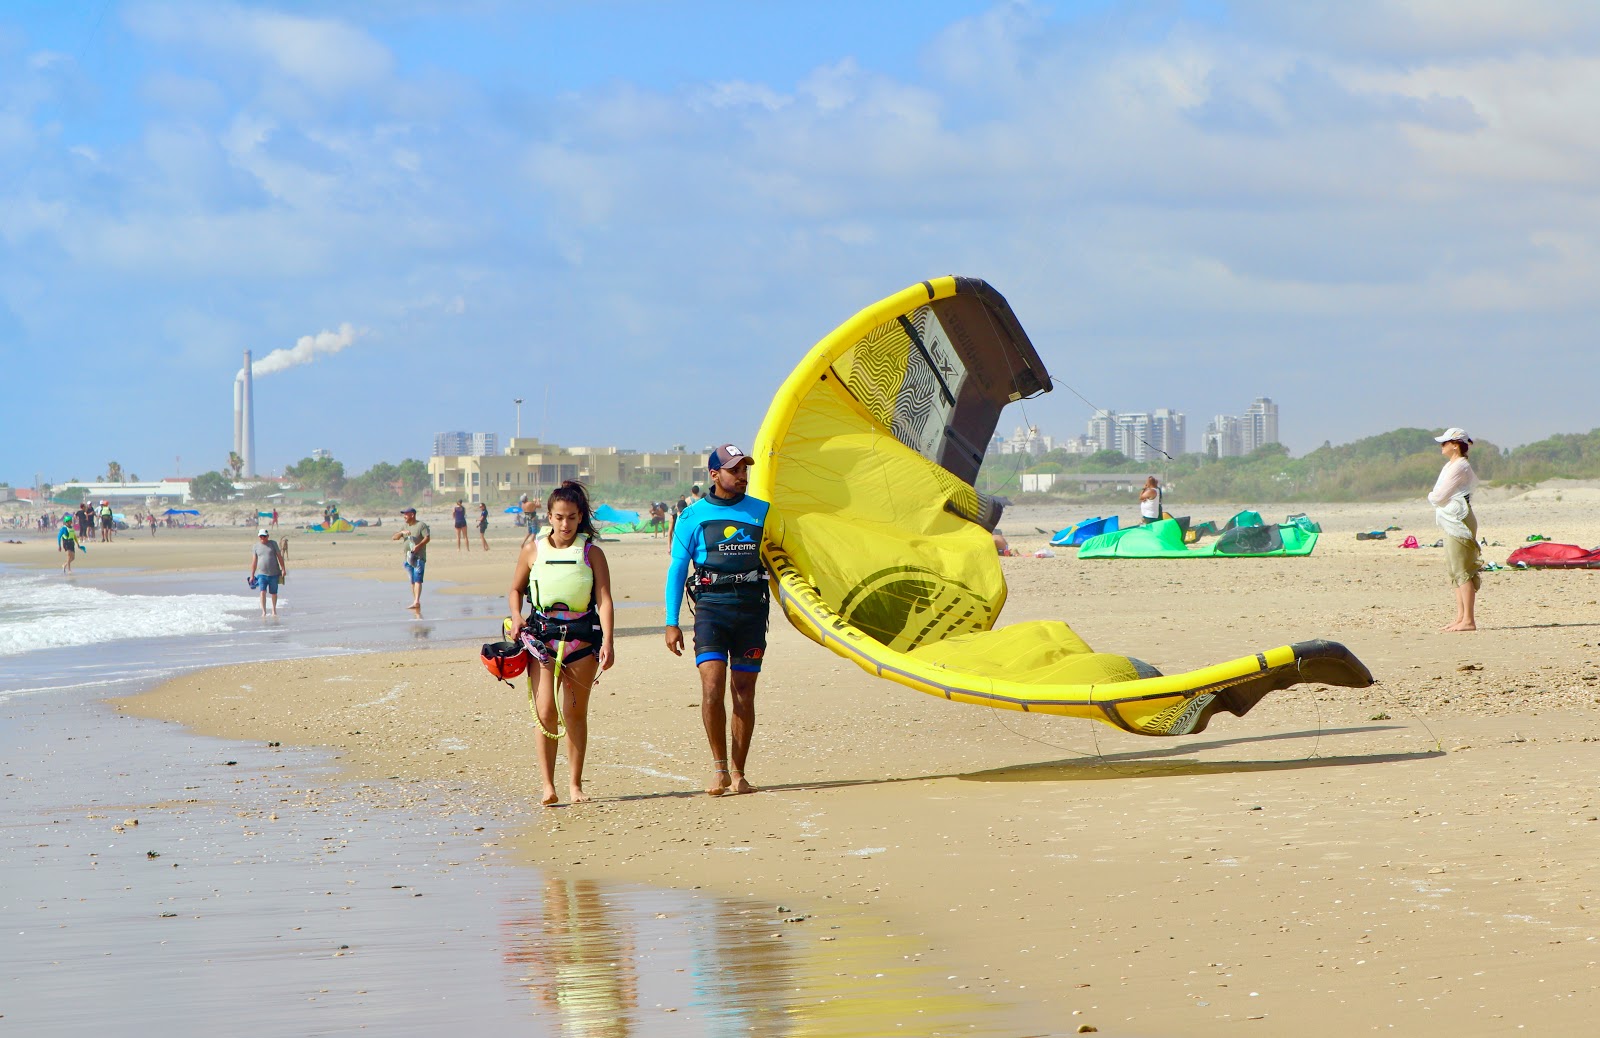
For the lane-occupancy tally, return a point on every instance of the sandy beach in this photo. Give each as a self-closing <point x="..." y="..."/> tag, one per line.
<point x="1415" y="857"/>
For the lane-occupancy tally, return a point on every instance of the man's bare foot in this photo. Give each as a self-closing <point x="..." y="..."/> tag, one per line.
<point x="741" y="786"/>
<point x="550" y="799"/>
<point x="720" y="780"/>
<point x="578" y="796"/>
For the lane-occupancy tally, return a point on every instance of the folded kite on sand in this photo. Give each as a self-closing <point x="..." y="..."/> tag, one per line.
<point x="880" y="547"/>
<point x="1074" y="535"/>
<point x="1165" y="539"/>
<point x="1550" y="555"/>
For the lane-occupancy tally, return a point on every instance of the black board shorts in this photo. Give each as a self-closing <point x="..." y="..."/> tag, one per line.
<point x="733" y="630"/>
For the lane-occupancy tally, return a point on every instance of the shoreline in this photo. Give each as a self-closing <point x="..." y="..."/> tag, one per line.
<point x="1018" y="848"/>
<point x="246" y="822"/>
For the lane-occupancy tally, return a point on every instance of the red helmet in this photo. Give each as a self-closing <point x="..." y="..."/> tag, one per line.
<point x="505" y="660"/>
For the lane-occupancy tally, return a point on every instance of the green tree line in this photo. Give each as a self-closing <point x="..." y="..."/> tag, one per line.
<point x="1396" y="464"/>
<point x="382" y="484"/>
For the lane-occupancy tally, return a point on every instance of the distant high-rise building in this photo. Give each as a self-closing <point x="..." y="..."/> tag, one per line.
<point x="1232" y="436"/>
<point x="1026" y="441"/>
<point x="1258" y="425"/>
<point x="465" y="445"/>
<point x="1132" y="434"/>
<point x="1167" y="431"/>
<point x="1101" y="431"/>
<point x="1222" y="437"/>
<point x="1138" y="435"/>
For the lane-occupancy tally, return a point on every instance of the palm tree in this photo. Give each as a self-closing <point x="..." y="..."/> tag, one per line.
<point x="235" y="464"/>
<point x="113" y="472"/>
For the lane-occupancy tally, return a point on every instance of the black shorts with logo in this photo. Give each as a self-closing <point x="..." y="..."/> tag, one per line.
<point x="732" y="629"/>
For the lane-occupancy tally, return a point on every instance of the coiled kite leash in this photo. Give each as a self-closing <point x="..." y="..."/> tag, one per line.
<point x="555" y="694"/>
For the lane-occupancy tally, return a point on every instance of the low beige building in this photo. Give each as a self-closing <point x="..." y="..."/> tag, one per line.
<point x="534" y="468"/>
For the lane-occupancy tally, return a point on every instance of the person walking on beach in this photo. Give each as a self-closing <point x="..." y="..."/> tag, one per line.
<point x="416" y="535"/>
<point x="565" y="576"/>
<point x="1150" y="501"/>
<point x="268" y="569"/>
<point x="458" y="516"/>
<point x="1451" y="499"/>
<point x="719" y="535"/>
<point x="677" y="509"/>
<point x="67" y="541"/>
<point x="107" y="521"/>
<point x="483" y="525"/>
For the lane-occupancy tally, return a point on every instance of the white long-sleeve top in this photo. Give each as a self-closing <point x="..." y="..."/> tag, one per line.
<point x="1455" y="478"/>
<point x="1449" y="498"/>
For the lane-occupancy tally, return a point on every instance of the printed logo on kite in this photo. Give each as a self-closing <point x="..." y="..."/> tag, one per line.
<point x="904" y="606"/>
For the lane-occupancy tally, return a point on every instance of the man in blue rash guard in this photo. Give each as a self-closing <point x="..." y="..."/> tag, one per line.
<point x="719" y="537"/>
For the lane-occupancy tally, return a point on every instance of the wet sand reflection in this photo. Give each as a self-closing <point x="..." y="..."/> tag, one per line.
<point x="577" y="957"/>
<point x="606" y="961"/>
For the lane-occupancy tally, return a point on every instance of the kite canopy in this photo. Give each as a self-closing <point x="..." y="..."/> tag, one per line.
<point x="1073" y="536"/>
<point x="1166" y="540"/>
<point x="615" y="516"/>
<point x="880" y="545"/>
<point x="1549" y="555"/>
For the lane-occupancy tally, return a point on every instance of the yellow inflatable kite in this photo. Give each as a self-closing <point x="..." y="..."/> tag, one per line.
<point x="880" y="548"/>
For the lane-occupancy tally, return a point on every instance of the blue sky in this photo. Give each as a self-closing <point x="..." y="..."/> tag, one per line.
<point x="1378" y="214"/>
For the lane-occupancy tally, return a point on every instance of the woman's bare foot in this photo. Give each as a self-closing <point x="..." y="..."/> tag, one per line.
<point x="740" y="785"/>
<point x="1462" y="627"/>
<point x="549" y="799"/>
<point x="577" y="795"/>
<point x="719" y="781"/>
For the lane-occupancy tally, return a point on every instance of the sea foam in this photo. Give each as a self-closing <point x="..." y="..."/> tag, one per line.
<point x="39" y="611"/>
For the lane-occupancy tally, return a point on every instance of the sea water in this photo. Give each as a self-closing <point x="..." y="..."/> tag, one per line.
<point x="239" y="907"/>
<point x="59" y="632"/>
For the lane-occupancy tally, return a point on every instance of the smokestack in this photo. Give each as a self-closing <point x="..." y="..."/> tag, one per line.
<point x="247" y="424"/>
<point x="306" y="349"/>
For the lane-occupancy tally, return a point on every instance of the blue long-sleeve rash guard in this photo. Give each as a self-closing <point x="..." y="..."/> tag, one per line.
<point x="740" y="519"/>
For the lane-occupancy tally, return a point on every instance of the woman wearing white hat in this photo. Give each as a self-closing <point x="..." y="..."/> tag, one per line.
<point x="1451" y="499"/>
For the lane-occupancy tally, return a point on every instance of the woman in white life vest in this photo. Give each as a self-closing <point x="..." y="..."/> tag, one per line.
<point x="565" y="576"/>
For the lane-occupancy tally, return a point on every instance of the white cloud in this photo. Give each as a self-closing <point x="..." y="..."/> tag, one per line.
<point x="325" y="56"/>
<point x="738" y="95"/>
<point x="1397" y="28"/>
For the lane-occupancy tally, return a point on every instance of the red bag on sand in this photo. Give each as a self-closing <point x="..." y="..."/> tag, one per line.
<point x="1410" y="542"/>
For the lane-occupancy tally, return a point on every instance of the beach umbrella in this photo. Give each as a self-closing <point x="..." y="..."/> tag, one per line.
<point x="513" y="508"/>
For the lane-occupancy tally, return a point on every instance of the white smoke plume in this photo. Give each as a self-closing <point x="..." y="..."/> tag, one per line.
<point x="305" y="350"/>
